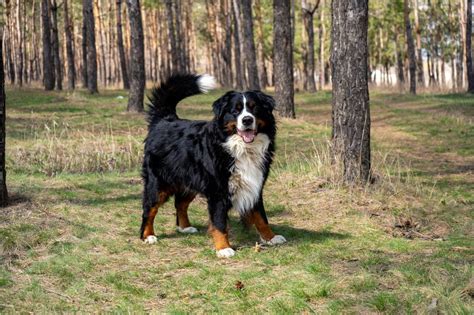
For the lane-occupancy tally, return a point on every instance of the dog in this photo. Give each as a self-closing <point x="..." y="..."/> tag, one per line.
<point x="226" y="160"/>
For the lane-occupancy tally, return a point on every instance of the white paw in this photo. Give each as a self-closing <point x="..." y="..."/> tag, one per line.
<point x="151" y="239"/>
<point x="276" y="240"/>
<point x="187" y="230"/>
<point x="225" y="253"/>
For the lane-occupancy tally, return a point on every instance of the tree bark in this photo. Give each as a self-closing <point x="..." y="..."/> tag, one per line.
<point x="19" y="52"/>
<point x="411" y="48"/>
<point x="308" y="14"/>
<point x="3" y="183"/>
<point x="55" y="44"/>
<point x="68" y="30"/>
<point x="84" y="47"/>
<point x="48" y="61"/>
<point x="172" y="36"/>
<point x="239" y="82"/>
<point x="137" y="63"/>
<point x="91" y="50"/>
<point x="470" y="70"/>
<point x="249" y="45"/>
<point x="283" y="58"/>
<point x="121" y="49"/>
<point x="239" y="62"/>
<point x="350" y="104"/>
<point x="262" y="69"/>
<point x="419" y="60"/>
<point x="322" y="35"/>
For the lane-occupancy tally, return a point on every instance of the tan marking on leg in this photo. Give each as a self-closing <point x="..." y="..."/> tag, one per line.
<point x="221" y="240"/>
<point x="182" y="211"/>
<point x="263" y="228"/>
<point x="162" y="197"/>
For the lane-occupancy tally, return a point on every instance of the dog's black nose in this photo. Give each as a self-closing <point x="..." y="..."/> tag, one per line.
<point x="247" y="120"/>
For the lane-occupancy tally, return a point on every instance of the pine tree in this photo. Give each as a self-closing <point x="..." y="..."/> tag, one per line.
<point x="350" y="105"/>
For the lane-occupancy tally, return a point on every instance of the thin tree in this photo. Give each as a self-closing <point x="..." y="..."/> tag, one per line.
<point x="249" y="45"/>
<point x="419" y="60"/>
<point x="48" y="64"/>
<point x="283" y="58"/>
<point x="308" y="14"/>
<point x="172" y="36"/>
<point x="121" y="49"/>
<point x="350" y="103"/>
<point x="3" y="183"/>
<point x="91" y="49"/>
<point x="238" y="58"/>
<point x="470" y="70"/>
<point x="137" y="63"/>
<point x="55" y="44"/>
<point x="411" y="48"/>
<point x="68" y="30"/>
<point x="20" y="40"/>
<point x="84" y="47"/>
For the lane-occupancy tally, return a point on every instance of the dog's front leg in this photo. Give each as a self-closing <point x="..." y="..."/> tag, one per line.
<point x="218" y="216"/>
<point x="258" y="217"/>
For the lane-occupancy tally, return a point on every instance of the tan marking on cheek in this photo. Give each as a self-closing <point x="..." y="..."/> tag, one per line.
<point x="230" y="127"/>
<point x="261" y="123"/>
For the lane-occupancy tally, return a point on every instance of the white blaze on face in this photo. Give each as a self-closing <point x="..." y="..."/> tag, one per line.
<point x="246" y="132"/>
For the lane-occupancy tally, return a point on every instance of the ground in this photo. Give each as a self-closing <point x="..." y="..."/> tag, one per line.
<point x="403" y="244"/>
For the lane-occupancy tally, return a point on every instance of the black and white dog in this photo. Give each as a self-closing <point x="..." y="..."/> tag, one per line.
<point x="227" y="160"/>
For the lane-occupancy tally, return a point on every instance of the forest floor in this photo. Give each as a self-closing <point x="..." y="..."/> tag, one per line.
<point x="69" y="240"/>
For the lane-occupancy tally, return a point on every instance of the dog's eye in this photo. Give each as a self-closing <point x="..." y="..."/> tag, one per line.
<point x="238" y="107"/>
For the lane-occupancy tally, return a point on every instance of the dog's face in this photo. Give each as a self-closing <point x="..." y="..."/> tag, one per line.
<point x="245" y="114"/>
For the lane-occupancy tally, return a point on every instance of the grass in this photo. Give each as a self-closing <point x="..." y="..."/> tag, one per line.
<point x="402" y="245"/>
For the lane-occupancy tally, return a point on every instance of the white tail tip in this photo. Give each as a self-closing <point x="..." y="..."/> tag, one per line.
<point x="206" y="83"/>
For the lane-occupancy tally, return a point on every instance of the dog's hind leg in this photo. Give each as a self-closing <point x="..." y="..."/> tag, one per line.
<point x="181" y="203"/>
<point x="153" y="198"/>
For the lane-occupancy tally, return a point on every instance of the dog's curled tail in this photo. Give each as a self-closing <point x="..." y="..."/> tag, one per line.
<point x="165" y="97"/>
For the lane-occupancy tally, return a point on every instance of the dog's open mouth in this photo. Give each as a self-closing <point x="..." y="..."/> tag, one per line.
<point x="247" y="135"/>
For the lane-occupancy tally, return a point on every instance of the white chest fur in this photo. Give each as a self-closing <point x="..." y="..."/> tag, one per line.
<point x="246" y="178"/>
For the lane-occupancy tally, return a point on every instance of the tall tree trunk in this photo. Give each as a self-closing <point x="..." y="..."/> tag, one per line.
<point x="55" y="44"/>
<point x="308" y="14"/>
<point x="68" y="30"/>
<point x="91" y="50"/>
<point x="419" y="60"/>
<point x="262" y="69"/>
<point x="411" y="47"/>
<point x="322" y="35"/>
<point x="48" y="64"/>
<point x="20" y="41"/>
<point x="463" y="52"/>
<point x="172" y="36"/>
<point x="398" y="54"/>
<point x="84" y="46"/>
<point x="121" y="49"/>
<point x="350" y="104"/>
<point x="238" y="64"/>
<point x="137" y="63"/>
<point x="470" y="70"/>
<point x="3" y="182"/>
<point x="283" y="58"/>
<point x="101" y="32"/>
<point x="249" y="45"/>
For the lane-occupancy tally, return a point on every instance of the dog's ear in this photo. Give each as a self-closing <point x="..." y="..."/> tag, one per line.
<point x="265" y="100"/>
<point x="219" y="105"/>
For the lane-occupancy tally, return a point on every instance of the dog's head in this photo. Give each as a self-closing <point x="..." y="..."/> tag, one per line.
<point x="246" y="114"/>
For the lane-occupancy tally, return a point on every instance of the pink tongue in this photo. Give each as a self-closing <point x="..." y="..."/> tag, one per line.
<point x="247" y="135"/>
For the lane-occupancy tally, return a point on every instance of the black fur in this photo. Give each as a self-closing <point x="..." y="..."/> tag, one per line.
<point x="183" y="156"/>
